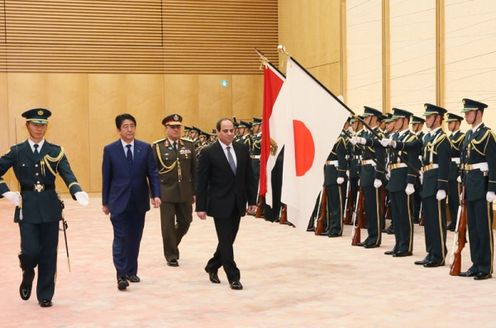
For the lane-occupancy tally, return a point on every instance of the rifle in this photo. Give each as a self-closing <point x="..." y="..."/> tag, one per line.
<point x="355" y="240"/>
<point x="260" y="206"/>
<point x="460" y="239"/>
<point x="348" y="206"/>
<point x="64" y="228"/>
<point x="322" y="212"/>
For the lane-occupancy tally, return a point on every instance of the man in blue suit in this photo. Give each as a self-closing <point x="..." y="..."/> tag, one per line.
<point x="130" y="178"/>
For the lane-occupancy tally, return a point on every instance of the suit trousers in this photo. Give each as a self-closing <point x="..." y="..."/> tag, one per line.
<point x="480" y="233"/>
<point x="39" y="248"/>
<point x="227" y="229"/>
<point x="128" y="230"/>
<point x="403" y="221"/>
<point x="173" y="232"/>
<point x="435" y="228"/>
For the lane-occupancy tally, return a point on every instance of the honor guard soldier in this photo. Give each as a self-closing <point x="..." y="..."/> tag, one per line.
<point x="353" y="166"/>
<point x="435" y="155"/>
<point x="176" y="162"/>
<point x="36" y="164"/>
<point x="456" y="139"/>
<point x="244" y="133"/>
<point x="372" y="174"/>
<point x="186" y="130"/>
<point x="478" y="159"/>
<point x="256" y="148"/>
<point x="389" y="130"/>
<point x="334" y="178"/>
<point x="403" y="167"/>
<point x="194" y="135"/>
<point x="417" y="128"/>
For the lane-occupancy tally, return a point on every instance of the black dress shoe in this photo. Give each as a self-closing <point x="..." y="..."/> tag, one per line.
<point x="122" y="283"/>
<point x="236" y="285"/>
<point x="450" y="227"/>
<point x="214" y="278"/>
<point x="433" y="264"/>
<point x="371" y="246"/>
<point x="173" y="263"/>
<point x="482" y="276"/>
<point x="333" y="235"/>
<point x="45" y="303"/>
<point x="390" y="230"/>
<point x="361" y="244"/>
<point x="391" y="252"/>
<point x="133" y="278"/>
<point x="422" y="262"/>
<point x="26" y="284"/>
<point x="469" y="273"/>
<point x="402" y="254"/>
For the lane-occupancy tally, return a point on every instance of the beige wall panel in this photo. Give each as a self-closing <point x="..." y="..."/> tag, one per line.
<point x="247" y="96"/>
<point x="145" y="101"/>
<point x="181" y="97"/>
<point x="310" y="30"/>
<point x="107" y="98"/>
<point x="7" y="127"/>
<point x="67" y="98"/>
<point x="329" y="76"/>
<point x="214" y="100"/>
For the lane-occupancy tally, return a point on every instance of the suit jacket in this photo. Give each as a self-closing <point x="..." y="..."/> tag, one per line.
<point x="177" y="170"/>
<point x="219" y="190"/>
<point x="31" y="170"/>
<point x="122" y="184"/>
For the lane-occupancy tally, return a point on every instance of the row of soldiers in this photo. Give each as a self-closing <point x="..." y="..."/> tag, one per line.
<point x="412" y="174"/>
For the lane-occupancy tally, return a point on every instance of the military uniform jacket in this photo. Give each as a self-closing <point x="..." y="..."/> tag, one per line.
<point x="245" y="139"/>
<point x="36" y="175"/>
<point x="177" y="170"/>
<point x="338" y="153"/>
<point x="354" y="158"/>
<point x="407" y="150"/>
<point x="479" y="146"/>
<point x="456" y="140"/>
<point x="256" y="145"/>
<point x="373" y="151"/>
<point x="435" y="150"/>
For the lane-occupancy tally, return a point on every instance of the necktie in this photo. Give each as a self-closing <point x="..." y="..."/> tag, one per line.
<point x="129" y="154"/>
<point x="230" y="159"/>
<point x="174" y="144"/>
<point x="36" y="151"/>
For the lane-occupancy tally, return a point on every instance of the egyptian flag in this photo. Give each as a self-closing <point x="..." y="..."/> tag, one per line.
<point x="314" y="118"/>
<point x="273" y="81"/>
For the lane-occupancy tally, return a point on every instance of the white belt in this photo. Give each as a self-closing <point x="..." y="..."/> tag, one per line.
<point x="333" y="163"/>
<point x="368" y="162"/>
<point x="255" y="156"/>
<point x="477" y="166"/>
<point x="428" y="167"/>
<point x="456" y="160"/>
<point x="397" y="166"/>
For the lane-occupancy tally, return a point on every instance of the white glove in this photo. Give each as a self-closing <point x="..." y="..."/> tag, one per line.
<point x="358" y="182"/>
<point x="12" y="196"/>
<point x="421" y="178"/>
<point x="377" y="183"/>
<point x="441" y="194"/>
<point x="385" y="142"/>
<point x="82" y="198"/>
<point x="354" y="140"/>
<point x="410" y="189"/>
<point x="348" y="173"/>
<point x="361" y="140"/>
<point x="340" y="180"/>
<point x="459" y="179"/>
<point x="490" y="196"/>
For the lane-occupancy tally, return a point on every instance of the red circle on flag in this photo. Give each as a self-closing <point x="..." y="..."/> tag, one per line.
<point x="304" y="148"/>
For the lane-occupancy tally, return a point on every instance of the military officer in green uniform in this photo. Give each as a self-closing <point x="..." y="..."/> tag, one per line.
<point x="176" y="161"/>
<point x="417" y="126"/>
<point x="404" y="166"/>
<point x="435" y="155"/>
<point x="372" y="174"/>
<point x="456" y="139"/>
<point x="36" y="164"/>
<point x="478" y="159"/>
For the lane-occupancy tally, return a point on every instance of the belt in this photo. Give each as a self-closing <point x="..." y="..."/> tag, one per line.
<point x="368" y="162"/>
<point x="397" y="166"/>
<point x="456" y="160"/>
<point x="477" y="166"/>
<point x="331" y="163"/>
<point x="38" y="187"/>
<point x="255" y="156"/>
<point x="429" y="167"/>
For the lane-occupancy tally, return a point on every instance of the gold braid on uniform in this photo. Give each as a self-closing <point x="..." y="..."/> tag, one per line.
<point x="47" y="159"/>
<point x="474" y="143"/>
<point x="165" y="168"/>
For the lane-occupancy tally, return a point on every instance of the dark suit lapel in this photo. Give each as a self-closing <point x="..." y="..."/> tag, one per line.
<point x="222" y="156"/>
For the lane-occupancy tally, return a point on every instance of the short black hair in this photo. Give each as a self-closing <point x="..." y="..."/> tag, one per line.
<point x="121" y="118"/>
<point x="219" y="122"/>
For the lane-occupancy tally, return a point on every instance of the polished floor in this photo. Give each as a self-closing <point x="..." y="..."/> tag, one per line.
<point x="290" y="278"/>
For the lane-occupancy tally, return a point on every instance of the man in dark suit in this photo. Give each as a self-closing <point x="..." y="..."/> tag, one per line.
<point x="176" y="160"/>
<point x="129" y="175"/>
<point x="225" y="185"/>
<point x="36" y="164"/>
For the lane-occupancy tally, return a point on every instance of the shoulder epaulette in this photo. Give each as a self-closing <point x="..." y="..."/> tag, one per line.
<point x="158" y="141"/>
